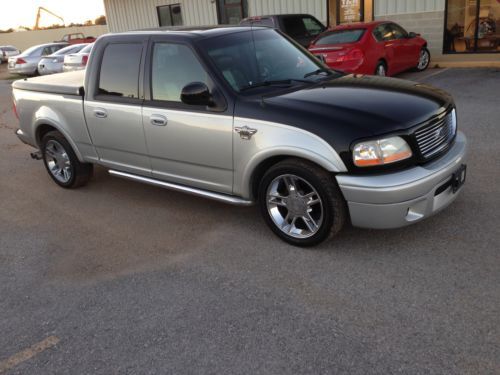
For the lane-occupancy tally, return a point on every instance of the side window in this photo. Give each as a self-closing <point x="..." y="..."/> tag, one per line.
<point x="386" y="32"/>
<point x="174" y="66"/>
<point x="119" y="74"/>
<point x="398" y="31"/>
<point x="377" y="33"/>
<point x="294" y="27"/>
<point x="47" y="51"/>
<point x="313" y="27"/>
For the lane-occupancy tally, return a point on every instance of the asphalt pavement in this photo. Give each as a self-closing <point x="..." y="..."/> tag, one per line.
<point x="123" y="278"/>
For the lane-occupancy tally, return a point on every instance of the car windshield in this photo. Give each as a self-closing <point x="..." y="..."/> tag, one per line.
<point x="340" y="37"/>
<point x="262" y="57"/>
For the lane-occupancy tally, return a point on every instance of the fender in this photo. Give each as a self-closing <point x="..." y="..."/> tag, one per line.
<point x="47" y="116"/>
<point x="274" y="139"/>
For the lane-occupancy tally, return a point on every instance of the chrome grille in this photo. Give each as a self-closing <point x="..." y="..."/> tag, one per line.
<point x="435" y="136"/>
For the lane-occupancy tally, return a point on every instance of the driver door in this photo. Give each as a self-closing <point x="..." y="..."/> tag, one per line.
<point x="187" y="144"/>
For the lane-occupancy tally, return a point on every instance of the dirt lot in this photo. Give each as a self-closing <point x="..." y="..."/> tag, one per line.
<point x="119" y="277"/>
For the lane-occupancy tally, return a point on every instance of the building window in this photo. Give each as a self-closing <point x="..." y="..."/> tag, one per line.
<point x="472" y="26"/>
<point x="232" y="11"/>
<point x="170" y="15"/>
<point x="350" y="11"/>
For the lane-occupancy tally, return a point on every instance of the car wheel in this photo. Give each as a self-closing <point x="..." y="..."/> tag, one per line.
<point x="301" y="202"/>
<point x="381" y="69"/>
<point x="61" y="162"/>
<point x="424" y="60"/>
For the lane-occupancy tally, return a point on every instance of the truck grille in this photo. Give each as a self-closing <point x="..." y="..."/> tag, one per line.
<point x="436" y="135"/>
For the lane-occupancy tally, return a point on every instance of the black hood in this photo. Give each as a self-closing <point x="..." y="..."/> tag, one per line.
<point x="351" y="107"/>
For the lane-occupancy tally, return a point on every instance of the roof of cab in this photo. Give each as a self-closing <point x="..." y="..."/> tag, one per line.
<point x="194" y="32"/>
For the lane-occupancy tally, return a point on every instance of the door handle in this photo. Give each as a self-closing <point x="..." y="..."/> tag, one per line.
<point x="158" y="120"/>
<point x="100" y="112"/>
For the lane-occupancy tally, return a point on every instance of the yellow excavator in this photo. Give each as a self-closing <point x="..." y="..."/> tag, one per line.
<point x="38" y="13"/>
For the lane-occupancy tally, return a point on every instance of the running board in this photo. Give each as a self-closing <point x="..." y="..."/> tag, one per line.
<point x="185" y="189"/>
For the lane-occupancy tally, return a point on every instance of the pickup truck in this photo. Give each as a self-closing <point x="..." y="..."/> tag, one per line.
<point x="244" y="115"/>
<point x="303" y="28"/>
<point x="77" y="38"/>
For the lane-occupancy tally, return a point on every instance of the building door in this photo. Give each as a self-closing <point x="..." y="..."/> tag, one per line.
<point x="348" y="11"/>
<point x="231" y="12"/>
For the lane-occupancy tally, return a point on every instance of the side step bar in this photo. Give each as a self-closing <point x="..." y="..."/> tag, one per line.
<point x="185" y="189"/>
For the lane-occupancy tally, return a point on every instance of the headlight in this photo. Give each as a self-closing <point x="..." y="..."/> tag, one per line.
<point x="380" y="152"/>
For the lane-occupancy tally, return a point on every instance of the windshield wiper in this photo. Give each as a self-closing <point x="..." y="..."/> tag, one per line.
<point x="274" y="82"/>
<point x="318" y="71"/>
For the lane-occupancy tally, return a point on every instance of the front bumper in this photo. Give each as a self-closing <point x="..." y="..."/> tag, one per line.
<point x="398" y="199"/>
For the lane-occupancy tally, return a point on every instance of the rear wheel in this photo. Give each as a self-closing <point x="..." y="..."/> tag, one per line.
<point x="61" y="162"/>
<point x="301" y="202"/>
<point x="423" y="60"/>
<point x="381" y="69"/>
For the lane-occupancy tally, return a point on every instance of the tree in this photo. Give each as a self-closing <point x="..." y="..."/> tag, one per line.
<point x="101" y="20"/>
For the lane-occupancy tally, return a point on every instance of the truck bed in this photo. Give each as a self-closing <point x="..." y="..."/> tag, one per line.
<point x="69" y="83"/>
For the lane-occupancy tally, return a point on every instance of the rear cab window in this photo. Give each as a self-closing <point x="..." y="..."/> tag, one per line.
<point x="119" y="73"/>
<point x="341" y="37"/>
<point x="301" y="26"/>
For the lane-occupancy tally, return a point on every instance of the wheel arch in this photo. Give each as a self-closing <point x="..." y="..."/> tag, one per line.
<point x="260" y="165"/>
<point x="43" y="126"/>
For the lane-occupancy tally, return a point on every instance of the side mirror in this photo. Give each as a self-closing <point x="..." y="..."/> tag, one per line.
<point x="196" y="93"/>
<point x="411" y="35"/>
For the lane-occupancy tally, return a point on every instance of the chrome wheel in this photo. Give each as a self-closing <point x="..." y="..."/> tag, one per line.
<point x="295" y="206"/>
<point x="381" y="70"/>
<point x="423" y="60"/>
<point x="58" y="162"/>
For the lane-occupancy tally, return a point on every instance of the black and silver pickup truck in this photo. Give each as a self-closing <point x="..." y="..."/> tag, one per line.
<point x="245" y="115"/>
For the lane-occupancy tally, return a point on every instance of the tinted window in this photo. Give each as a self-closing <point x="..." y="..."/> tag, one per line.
<point x="313" y="27"/>
<point x="294" y="27"/>
<point x="119" y="74"/>
<point x="383" y="32"/>
<point x="341" y="36"/>
<point x="397" y="31"/>
<point x="47" y="51"/>
<point x="174" y="66"/>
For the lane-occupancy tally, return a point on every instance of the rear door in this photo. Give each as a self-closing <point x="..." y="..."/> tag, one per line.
<point x="113" y="105"/>
<point x="188" y="144"/>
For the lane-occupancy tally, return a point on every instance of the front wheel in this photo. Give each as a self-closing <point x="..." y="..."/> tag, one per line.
<point x="301" y="202"/>
<point x="424" y="60"/>
<point x="62" y="163"/>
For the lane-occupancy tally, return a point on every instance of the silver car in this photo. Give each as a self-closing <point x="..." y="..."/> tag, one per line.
<point x="27" y="62"/>
<point x="77" y="61"/>
<point x="54" y="63"/>
<point x="6" y="52"/>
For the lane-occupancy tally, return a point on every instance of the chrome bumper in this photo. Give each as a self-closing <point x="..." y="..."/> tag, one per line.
<point x="402" y="198"/>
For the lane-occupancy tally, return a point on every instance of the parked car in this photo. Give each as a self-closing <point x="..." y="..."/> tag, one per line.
<point x="6" y="52"/>
<point x="243" y="115"/>
<point x="77" y="61"/>
<point x="76" y="38"/>
<point x="27" y="62"/>
<point x="54" y="63"/>
<point x="379" y="47"/>
<point x="303" y="28"/>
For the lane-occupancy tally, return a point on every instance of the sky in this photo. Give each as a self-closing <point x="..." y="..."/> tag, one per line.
<point x="17" y="13"/>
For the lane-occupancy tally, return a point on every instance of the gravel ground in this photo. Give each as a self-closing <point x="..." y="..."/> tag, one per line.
<point x="134" y="279"/>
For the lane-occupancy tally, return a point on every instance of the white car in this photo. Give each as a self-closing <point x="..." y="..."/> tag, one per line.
<point x="6" y="52"/>
<point x="77" y="61"/>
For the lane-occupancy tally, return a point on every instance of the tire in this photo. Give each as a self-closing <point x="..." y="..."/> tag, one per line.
<point x="57" y="151"/>
<point x="381" y="69"/>
<point x="301" y="202"/>
<point x="424" y="60"/>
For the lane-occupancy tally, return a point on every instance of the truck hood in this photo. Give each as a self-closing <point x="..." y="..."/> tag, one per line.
<point x="351" y="107"/>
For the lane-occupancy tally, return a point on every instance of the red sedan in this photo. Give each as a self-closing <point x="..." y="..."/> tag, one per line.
<point x="379" y="47"/>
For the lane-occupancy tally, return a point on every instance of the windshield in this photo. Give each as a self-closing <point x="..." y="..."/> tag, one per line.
<point x="247" y="60"/>
<point x="340" y="36"/>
